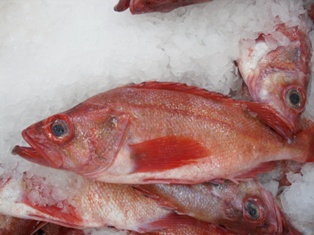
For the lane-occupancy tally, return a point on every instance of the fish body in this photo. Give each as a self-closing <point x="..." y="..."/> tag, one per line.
<point x="243" y="208"/>
<point x="145" y="6"/>
<point x="276" y="69"/>
<point x="84" y="204"/>
<point x="160" y="133"/>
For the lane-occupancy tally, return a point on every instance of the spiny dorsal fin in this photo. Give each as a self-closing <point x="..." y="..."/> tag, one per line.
<point x="181" y="87"/>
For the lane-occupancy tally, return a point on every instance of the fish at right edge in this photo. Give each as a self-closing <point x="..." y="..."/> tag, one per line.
<point x="243" y="208"/>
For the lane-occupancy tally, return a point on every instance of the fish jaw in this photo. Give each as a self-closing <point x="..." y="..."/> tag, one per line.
<point x="36" y="153"/>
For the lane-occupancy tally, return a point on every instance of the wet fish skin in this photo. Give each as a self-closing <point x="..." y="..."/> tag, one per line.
<point x="277" y="69"/>
<point x="87" y="204"/>
<point x="223" y="203"/>
<point x="146" y="6"/>
<point x="161" y="133"/>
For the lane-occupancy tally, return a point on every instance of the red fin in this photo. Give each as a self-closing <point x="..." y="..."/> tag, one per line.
<point x="261" y="168"/>
<point x="151" y="191"/>
<point x="272" y="118"/>
<point x="69" y="218"/>
<point x="166" y="153"/>
<point x="122" y="5"/>
<point x="38" y="226"/>
<point x="181" y="87"/>
<point x="62" y="212"/>
<point x="171" y="220"/>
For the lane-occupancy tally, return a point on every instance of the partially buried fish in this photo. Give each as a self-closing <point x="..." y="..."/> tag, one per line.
<point x="243" y="208"/>
<point x="81" y="203"/>
<point x="145" y="6"/>
<point x="161" y="133"/>
<point x="276" y="68"/>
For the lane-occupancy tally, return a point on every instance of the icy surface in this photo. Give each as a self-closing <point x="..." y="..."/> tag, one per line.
<point x="55" y="54"/>
<point x="300" y="195"/>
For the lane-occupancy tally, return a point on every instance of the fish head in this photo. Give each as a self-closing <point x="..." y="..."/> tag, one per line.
<point x="249" y="208"/>
<point x="276" y="69"/>
<point x="83" y="140"/>
<point x="286" y="96"/>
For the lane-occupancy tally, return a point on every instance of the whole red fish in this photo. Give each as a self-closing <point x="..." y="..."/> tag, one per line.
<point x="276" y="69"/>
<point x="145" y="6"/>
<point x="161" y="132"/>
<point x="83" y="204"/>
<point x="243" y="208"/>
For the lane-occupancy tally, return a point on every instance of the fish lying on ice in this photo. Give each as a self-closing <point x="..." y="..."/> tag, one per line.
<point x="145" y="6"/>
<point x="84" y="204"/>
<point x="276" y="69"/>
<point x="161" y="132"/>
<point x="243" y="208"/>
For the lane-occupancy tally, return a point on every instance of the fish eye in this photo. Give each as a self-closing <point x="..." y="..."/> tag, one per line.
<point x="59" y="128"/>
<point x="253" y="210"/>
<point x="294" y="98"/>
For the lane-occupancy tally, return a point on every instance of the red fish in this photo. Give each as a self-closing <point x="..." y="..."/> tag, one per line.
<point x="277" y="70"/>
<point x="244" y="208"/>
<point x="85" y="204"/>
<point x="161" y="132"/>
<point x="145" y="6"/>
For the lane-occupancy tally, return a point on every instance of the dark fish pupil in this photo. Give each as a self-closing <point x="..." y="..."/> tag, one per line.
<point x="252" y="210"/>
<point x="294" y="98"/>
<point x="59" y="128"/>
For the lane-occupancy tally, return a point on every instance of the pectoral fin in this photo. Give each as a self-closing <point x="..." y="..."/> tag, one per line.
<point x="273" y="119"/>
<point x="166" y="153"/>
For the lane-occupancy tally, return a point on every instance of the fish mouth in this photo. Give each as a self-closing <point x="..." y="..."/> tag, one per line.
<point x="34" y="153"/>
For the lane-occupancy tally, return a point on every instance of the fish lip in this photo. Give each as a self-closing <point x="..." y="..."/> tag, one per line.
<point x="33" y="153"/>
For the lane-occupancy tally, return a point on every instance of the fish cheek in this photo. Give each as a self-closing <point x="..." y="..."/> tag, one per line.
<point x="107" y="138"/>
